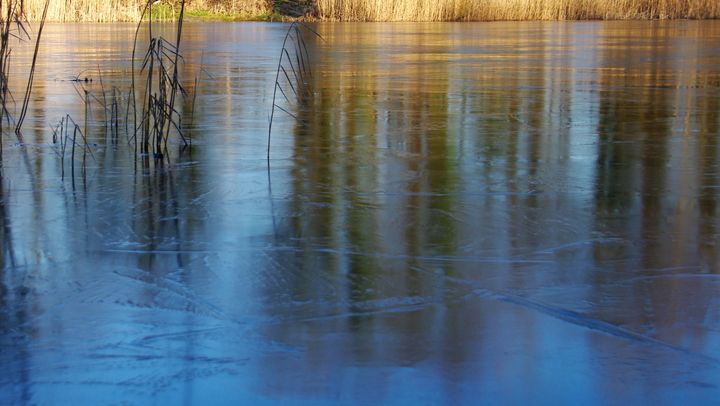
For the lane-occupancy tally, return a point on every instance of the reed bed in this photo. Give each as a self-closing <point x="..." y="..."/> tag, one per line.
<point x="496" y="10"/>
<point x="131" y="10"/>
<point x="237" y="8"/>
<point x="85" y="10"/>
<point x="385" y="10"/>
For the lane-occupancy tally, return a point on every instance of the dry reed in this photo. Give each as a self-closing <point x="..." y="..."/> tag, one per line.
<point x="162" y="85"/>
<point x="395" y="10"/>
<point x="296" y="75"/>
<point x="86" y="10"/>
<point x="12" y="19"/>
<point x="492" y="10"/>
<point x="131" y="10"/>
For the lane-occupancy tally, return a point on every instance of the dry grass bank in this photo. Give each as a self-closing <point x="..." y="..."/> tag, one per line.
<point x="129" y="10"/>
<point x="389" y="10"/>
<point x="84" y="10"/>
<point x="491" y="10"/>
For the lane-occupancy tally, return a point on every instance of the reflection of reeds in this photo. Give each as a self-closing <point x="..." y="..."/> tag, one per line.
<point x="294" y="57"/>
<point x="488" y="10"/>
<point x="192" y="105"/>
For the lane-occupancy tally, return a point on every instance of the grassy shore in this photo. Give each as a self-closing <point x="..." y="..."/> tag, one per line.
<point x="130" y="10"/>
<point x="493" y="10"/>
<point x="383" y="10"/>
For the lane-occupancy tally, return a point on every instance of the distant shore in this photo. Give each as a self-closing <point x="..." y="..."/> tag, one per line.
<point x="378" y="10"/>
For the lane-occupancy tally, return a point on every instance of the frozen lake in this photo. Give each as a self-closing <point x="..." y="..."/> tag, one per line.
<point x="465" y="213"/>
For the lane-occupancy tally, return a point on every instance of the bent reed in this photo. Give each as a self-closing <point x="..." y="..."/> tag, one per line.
<point x="389" y="10"/>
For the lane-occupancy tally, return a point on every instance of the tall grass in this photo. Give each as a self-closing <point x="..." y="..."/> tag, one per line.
<point x="131" y="10"/>
<point x="388" y="10"/>
<point x="86" y="10"/>
<point x="491" y="10"/>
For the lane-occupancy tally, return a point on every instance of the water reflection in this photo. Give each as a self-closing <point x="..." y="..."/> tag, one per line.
<point x="549" y="150"/>
<point x="464" y="211"/>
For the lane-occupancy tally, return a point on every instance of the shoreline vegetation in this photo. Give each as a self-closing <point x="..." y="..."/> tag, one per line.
<point x="377" y="10"/>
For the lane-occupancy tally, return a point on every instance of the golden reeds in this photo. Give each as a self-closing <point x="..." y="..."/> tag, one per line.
<point x="85" y="10"/>
<point x="492" y="10"/>
<point x="397" y="10"/>
<point x="131" y="10"/>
